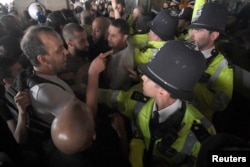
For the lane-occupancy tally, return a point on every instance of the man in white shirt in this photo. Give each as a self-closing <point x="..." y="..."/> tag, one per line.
<point x="123" y="55"/>
<point x="45" y="50"/>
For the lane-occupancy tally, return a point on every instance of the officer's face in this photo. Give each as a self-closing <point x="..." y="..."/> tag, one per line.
<point x="153" y="37"/>
<point x="201" y="37"/>
<point x="150" y="88"/>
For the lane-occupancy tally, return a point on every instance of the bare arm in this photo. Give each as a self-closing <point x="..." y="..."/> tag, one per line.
<point x="18" y="129"/>
<point x="114" y="6"/>
<point x="119" y="126"/>
<point x="96" y="67"/>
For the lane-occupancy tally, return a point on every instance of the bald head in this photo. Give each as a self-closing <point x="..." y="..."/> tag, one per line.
<point x="73" y="129"/>
<point x="86" y="17"/>
<point x="100" y="27"/>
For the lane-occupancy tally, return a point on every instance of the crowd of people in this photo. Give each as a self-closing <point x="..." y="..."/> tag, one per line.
<point x="111" y="88"/>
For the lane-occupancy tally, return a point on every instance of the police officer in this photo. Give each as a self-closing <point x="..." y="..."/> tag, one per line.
<point x="140" y="38"/>
<point x="171" y="129"/>
<point x="214" y="91"/>
<point x="185" y="17"/>
<point x="162" y="29"/>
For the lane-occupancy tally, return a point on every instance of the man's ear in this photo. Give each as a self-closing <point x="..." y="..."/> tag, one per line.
<point x="69" y="42"/>
<point x="41" y="59"/>
<point x="214" y="35"/>
<point x="162" y="91"/>
<point x="125" y="37"/>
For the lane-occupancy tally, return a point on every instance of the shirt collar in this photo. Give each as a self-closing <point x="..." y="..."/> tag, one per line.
<point x="165" y="113"/>
<point x="207" y="53"/>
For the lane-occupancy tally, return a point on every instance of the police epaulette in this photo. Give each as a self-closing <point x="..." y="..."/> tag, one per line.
<point x="138" y="96"/>
<point x="199" y="131"/>
<point x="144" y="49"/>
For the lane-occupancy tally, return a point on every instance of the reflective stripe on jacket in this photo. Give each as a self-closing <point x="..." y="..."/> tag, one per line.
<point x="139" y="112"/>
<point x="186" y="142"/>
<point x="216" y="93"/>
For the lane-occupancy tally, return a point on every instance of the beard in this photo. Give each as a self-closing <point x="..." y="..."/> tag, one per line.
<point x="81" y="53"/>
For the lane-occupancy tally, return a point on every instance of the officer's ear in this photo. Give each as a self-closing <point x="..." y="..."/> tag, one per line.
<point x="163" y="92"/>
<point x="214" y="35"/>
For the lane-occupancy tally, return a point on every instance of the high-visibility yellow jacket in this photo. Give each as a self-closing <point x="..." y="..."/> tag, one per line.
<point x="130" y="23"/>
<point x="143" y="55"/>
<point x="139" y="40"/>
<point x="182" y="36"/>
<point x="140" y="113"/>
<point x="214" y="94"/>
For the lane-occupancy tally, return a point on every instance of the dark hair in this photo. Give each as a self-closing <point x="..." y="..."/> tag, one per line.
<point x="122" y="24"/>
<point x="11" y="25"/>
<point x="121" y="2"/>
<point x="31" y="44"/>
<point x="69" y="29"/>
<point x="88" y="5"/>
<point x="5" y="64"/>
<point x="11" y="46"/>
<point x="142" y="24"/>
<point x="55" y="19"/>
<point x="69" y="16"/>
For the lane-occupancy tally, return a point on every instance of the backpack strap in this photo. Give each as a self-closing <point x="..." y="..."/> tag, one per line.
<point x="27" y="80"/>
<point x="34" y="80"/>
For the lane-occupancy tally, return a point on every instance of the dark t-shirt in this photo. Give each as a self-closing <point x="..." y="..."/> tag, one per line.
<point x="95" y="156"/>
<point x="101" y="46"/>
<point x="5" y="113"/>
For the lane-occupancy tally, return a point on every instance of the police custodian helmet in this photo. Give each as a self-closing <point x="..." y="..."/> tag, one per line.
<point x="164" y="25"/>
<point x="211" y="16"/>
<point x="176" y="67"/>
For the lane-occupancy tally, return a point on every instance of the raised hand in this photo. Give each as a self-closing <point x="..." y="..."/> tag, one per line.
<point x="99" y="63"/>
<point x="118" y="124"/>
<point x="114" y="4"/>
<point x="22" y="100"/>
<point x="132" y="74"/>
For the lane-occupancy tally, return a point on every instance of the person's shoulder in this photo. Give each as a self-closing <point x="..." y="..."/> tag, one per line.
<point x="50" y="88"/>
<point x="193" y="112"/>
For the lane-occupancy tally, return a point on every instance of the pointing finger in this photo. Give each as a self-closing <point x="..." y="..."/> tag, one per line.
<point x="106" y="54"/>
